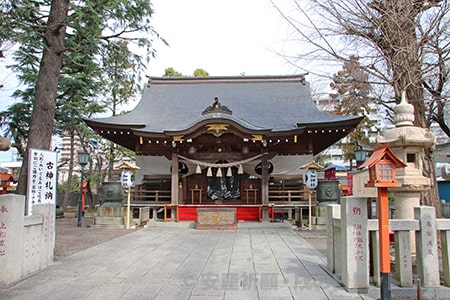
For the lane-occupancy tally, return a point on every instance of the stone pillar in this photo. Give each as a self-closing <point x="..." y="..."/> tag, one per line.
<point x="333" y="211"/>
<point x="405" y="203"/>
<point x="338" y="249"/>
<point x="426" y="247"/>
<point x="445" y="238"/>
<point x="403" y="264"/>
<point x="47" y="243"/>
<point x="375" y="245"/>
<point x="355" y="244"/>
<point x="12" y="208"/>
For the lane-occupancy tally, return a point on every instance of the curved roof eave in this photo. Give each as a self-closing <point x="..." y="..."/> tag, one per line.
<point x="210" y="119"/>
<point x="111" y="122"/>
<point x="344" y="122"/>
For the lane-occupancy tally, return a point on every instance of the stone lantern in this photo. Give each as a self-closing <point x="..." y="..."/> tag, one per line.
<point x="408" y="142"/>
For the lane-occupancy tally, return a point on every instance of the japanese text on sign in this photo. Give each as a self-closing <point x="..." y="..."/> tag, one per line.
<point x="358" y="235"/>
<point x="429" y="240"/>
<point x="3" y="233"/>
<point x="311" y="179"/>
<point x="41" y="178"/>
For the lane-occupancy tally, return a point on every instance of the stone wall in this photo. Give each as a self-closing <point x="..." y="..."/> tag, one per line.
<point x="26" y="242"/>
<point x="350" y="234"/>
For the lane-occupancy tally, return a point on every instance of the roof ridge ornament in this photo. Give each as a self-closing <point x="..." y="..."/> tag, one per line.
<point x="404" y="112"/>
<point x="216" y="107"/>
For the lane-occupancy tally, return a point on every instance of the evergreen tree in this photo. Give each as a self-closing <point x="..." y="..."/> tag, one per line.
<point x="60" y="59"/>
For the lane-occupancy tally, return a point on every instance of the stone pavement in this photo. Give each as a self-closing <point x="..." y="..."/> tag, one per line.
<point x="175" y="261"/>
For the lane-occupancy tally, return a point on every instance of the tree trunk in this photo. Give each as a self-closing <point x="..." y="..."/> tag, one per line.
<point x="401" y="50"/>
<point x="42" y="117"/>
<point x="431" y="197"/>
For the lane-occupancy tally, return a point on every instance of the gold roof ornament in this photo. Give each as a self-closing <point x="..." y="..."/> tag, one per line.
<point x="217" y="107"/>
<point x="257" y="137"/>
<point x="127" y="165"/>
<point x="217" y="128"/>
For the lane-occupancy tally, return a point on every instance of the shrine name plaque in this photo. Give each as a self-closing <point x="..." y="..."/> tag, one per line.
<point x="216" y="218"/>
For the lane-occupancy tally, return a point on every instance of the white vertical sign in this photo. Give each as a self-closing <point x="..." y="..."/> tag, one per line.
<point x="41" y="186"/>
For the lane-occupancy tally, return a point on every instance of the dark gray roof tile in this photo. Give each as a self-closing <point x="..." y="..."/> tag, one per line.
<point x="276" y="103"/>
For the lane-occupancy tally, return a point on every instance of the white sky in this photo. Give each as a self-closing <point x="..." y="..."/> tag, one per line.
<point x="223" y="37"/>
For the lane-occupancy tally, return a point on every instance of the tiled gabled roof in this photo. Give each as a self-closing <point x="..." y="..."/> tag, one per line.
<point x="275" y="103"/>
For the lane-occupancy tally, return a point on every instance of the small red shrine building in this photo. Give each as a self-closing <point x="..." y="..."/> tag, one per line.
<point x="7" y="182"/>
<point x="224" y="141"/>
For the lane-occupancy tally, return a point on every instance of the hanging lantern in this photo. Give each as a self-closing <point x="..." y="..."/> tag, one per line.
<point x="198" y="170"/>
<point x="209" y="172"/>
<point x="219" y="172"/>
<point x="258" y="168"/>
<point x="245" y="149"/>
<point x="192" y="150"/>
<point x="229" y="172"/>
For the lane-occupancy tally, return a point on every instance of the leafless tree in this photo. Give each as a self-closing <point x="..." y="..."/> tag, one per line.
<point x="403" y="45"/>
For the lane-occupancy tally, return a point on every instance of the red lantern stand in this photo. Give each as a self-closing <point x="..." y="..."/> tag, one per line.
<point x="84" y="190"/>
<point x="6" y="182"/>
<point x="382" y="164"/>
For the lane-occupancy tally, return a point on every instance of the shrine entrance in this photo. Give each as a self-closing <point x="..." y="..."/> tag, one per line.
<point x="224" y="141"/>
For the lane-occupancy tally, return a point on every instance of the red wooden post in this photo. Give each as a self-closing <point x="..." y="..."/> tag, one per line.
<point x="82" y="202"/>
<point x="382" y="164"/>
<point x="383" y="229"/>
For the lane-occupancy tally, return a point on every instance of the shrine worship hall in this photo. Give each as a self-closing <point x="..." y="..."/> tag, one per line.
<point x="236" y="146"/>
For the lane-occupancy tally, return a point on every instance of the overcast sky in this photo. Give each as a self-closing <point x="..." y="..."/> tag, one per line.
<point x="223" y="37"/>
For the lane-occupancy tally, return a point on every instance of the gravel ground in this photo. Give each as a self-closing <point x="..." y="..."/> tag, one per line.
<point x="71" y="239"/>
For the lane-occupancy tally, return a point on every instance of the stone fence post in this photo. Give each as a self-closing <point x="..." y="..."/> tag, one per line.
<point x="355" y="244"/>
<point x="47" y="234"/>
<point x="445" y="238"/>
<point x="333" y="212"/>
<point x="12" y="209"/>
<point x="26" y="242"/>
<point x="426" y="246"/>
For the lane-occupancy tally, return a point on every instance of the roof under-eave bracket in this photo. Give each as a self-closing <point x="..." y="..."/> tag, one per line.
<point x="311" y="165"/>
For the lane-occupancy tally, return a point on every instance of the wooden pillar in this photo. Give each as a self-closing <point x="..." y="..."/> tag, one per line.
<point x="383" y="233"/>
<point x="183" y="191"/>
<point x="174" y="186"/>
<point x="265" y="179"/>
